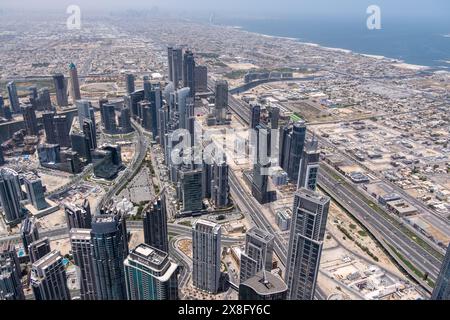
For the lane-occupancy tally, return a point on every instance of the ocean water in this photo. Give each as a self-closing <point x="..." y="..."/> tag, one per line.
<point x="415" y="41"/>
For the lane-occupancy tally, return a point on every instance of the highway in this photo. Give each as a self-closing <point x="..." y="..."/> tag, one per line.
<point x="378" y="224"/>
<point x="375" y="222"/>
<point x="130" y="171"/>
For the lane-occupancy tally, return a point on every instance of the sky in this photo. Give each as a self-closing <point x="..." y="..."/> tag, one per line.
<point x="251" y="8"/>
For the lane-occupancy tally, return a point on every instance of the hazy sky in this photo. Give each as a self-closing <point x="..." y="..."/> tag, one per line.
<point x="323" y="8"/>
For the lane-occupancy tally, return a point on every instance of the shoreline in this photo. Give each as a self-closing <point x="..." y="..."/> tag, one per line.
<point x="395" y="61"/>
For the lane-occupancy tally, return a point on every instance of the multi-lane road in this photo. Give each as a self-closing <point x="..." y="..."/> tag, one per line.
<point x="385" y="231"/>
<point x="378" y="223"/>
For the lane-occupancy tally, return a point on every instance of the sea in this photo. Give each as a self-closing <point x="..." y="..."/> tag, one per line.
<point x="415" y="41"/>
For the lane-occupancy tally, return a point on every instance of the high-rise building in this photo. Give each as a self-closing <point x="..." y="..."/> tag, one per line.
<point x="188" y="72"/>
<point x="221" y="101"/>
<point x="206" y="253"/>
<point x="292" y="140"/>
<point x="155" y="224"/>
<point x="442" y="288"/>
<point x="191" y="189"/>
<point x="78" y="216"/>
<point x="74" y="84"/>
<point x="8" y="255"/>
<point x="255" y="114"/>
<point x="109" y="249"/>
<point x="49" y="126"/>
<point x="44" y="100"/>
<point x="125" y="120"/>
<point x="201" y="78"/>
<point x="177" y="66"/>
<point x="108" y="118"/>
<point x="10" y="196"/>
<point x="62" y="130"/>
<point x="207" y="172"/>
<point x="90" y="133"/>
<point x="150" y="275"/>
<point x="182" y="100"/>
<point x="61" y="90"/>
<point x="220" y="188"/>
<point x="28" y="232"/>
<point x="258" y="253"/>
<point x="309" y="218"/>
<point x="29" y="117"/>
<point x="38" y="249"/>
<point x="262" y="164"/>
<point x="10" y="283"/>
<point x="13" y="97"/>
<point x="263" y="286"/>
<point x="274" y="117"/>
<point x="81" y="144"/>
<point x="309" y="166"/>
<point x="33" y="97"/>
<point x="129" y="82"/>
<point x="169" y="62"/>
<point x="48" y="278"/>
<point x="35" y="191"/>
<point x="2" y="157"/>
<point x="80" y="241"/>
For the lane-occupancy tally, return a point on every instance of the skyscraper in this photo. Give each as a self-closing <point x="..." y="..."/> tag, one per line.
<point x="74" y="84"/>
<point x="155" y="224"/>
<point x="80" y="241"/>
<point x="150" y="275"/>
<point x="129" y="82"/>
<point x="33" y="96"/>
<point x="274" y="117"/>
<point x="309" y="218"/>
<point x="81" y="144"/>
<point x="442" y="289"/>
<point x="206" y="252"/>
<point x="258" y="253"/>
<point x="220" y="188"/>
<point x="44" y="100"/>
<point x="78" y="216"/>
<point x="38" y="249"/>
<point x="262" y="164"/>
<point x="201" y="78"/>
<point x="309" y="166"/>
<point x="35" y="191"/>
<point x="29" y="117"/>
<point x="62" y="130"/>
<point x="295" y="151"/>
<point x="109" y="118"/>
<point x="191" y="189"/>
<point x="177" y="66"/>
<point x="48" y="278"/>
<point x="10" y="283"/>
<point x="255" y="114"/>
<point x="10" y="196"/>
<point x="221" y="101"/>
<point x="28" y="232"/>
<point x="125" y="120"/>
<point x="169" y="62"/>
<point x="49" y="126"/>
<point x="109" y="249"/>
<point x="2" y="157"/>
<point x="8" y="252"/>
<point x="13" y="97"/>
<point x="61" y="90"/>
<point x="182" y="99"/>
<point x="263" y="286"/>
<point x="188" y="72"/>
